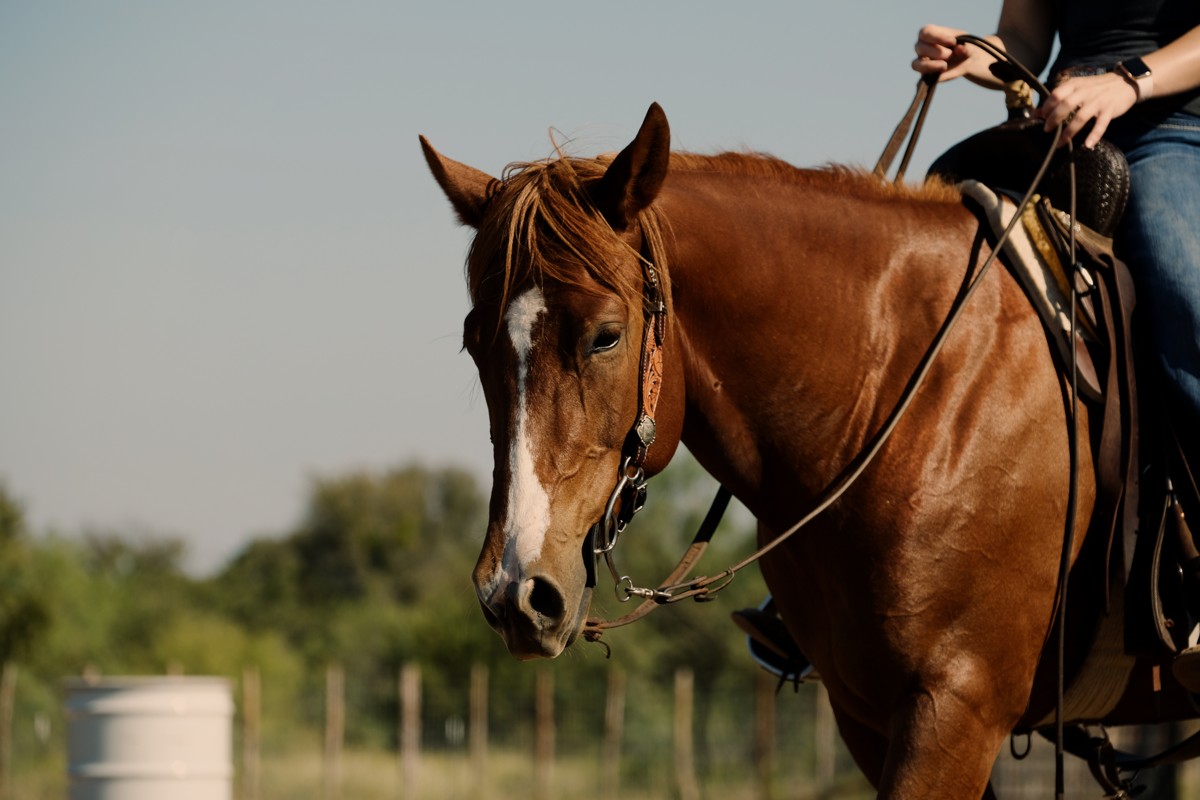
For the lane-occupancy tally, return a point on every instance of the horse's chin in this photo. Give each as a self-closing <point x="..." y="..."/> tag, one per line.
<point x="529" y="642"/>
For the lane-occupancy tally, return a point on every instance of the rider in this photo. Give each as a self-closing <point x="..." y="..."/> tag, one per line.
<point x="1130" y="68"/>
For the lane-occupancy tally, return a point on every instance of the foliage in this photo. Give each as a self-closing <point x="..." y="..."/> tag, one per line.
<point x="375" y="575"/>
<point x="23" y="609"/>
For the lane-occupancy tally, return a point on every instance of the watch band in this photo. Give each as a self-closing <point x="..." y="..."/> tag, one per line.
<point x="1139" y="75"/>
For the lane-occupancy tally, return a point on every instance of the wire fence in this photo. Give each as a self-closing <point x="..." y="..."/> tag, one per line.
<point x="631" y="735"/>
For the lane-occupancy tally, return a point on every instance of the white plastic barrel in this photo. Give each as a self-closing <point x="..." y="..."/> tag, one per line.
<point x="153" y="738"/>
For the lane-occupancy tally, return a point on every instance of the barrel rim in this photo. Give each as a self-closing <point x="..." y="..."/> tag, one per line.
<point x="144" y="681"/>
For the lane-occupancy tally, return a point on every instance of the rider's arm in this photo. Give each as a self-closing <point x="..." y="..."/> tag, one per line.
<point x="1026" y="29"/>
<point x="1176" y="67"/>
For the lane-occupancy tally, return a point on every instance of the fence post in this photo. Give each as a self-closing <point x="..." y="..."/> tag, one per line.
<point x="335" y="729"/>
<point x="685" y="764"/>
<point x="614" y="731"/>
<point x="8" y="692"/>
<point x="825" y="735"/>
<point x="544" y="734"/>
<point x="410" y="729"/>
<point x="251" y="732"/>
<point x="764" y="731"/>
<point x="477" y="742"/>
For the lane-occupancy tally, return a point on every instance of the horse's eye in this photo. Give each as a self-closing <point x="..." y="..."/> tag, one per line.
<point x="471" y="331"/>
<point x="606" y="340"/>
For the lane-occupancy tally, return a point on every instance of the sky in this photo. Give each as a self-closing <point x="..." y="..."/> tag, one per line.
<point x="225" y="270"/>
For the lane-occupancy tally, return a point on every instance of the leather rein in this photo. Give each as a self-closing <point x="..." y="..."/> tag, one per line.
<point x="630" y="488"/>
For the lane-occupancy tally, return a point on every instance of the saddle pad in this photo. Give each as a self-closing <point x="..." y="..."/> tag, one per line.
<point x="1033" y="260"/>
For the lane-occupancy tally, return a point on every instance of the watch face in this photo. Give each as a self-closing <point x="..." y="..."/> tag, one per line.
<point x="1135" y="68"/>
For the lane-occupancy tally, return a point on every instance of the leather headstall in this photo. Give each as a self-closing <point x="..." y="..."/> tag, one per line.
<point x="645" y="429"/>
<point x="629" y="494"/>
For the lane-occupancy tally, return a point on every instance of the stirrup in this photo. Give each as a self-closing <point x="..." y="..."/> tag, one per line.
<point x="770" y="644"/>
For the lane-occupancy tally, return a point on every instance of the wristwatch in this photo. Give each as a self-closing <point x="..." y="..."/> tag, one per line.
<point x="1139" y="75"/>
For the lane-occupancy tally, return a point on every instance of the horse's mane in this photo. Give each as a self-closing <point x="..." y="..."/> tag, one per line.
<point x="840" y="178"/>
<point x="541" y="217"/>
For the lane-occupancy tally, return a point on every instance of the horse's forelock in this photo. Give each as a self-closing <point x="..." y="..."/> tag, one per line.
<point x="541" y="226"/>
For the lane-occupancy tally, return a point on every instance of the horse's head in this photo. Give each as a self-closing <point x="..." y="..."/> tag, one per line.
<point x="557" y="274"/>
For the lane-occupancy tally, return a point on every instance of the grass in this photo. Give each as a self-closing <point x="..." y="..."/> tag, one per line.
<point x="376" y="775"/>
<point x="444" y="776"/>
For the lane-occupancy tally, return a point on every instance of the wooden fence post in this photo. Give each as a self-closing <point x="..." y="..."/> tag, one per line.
<point x="543" y="734"/>
<point x="8" y="693"/>
<point x="825" y="744"/>
<point x="764" y="731"/>
<point x="251" y="732"/>
<point x="335" y="729"/>
<point x="410" y="729"/>
<point x="477" y="741"/>
<point x="614" y="731"/>
<point x="685" y="763"/>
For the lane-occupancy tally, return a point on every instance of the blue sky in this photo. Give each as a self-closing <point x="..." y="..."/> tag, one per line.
<point x="224" y="269"/>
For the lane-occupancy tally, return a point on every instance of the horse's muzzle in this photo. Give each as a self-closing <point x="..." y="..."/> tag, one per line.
<point x="530" y="614"/>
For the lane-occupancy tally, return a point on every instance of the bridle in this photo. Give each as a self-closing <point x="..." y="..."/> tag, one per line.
<point x="628" y="496"/>
<point x="629" y="493"/>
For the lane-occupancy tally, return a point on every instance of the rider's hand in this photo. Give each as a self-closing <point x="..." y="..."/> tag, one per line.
<point x="938" y="53"/>
<point x="1080" y="100"/>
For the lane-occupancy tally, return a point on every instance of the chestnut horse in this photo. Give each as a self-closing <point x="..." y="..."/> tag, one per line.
<point x="796" y="306"/>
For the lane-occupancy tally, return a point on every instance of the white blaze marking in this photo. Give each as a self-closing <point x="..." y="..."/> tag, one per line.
<point x="528" y="504"/>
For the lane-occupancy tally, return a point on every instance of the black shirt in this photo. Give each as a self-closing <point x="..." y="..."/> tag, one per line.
<point x="1099" y="33"/>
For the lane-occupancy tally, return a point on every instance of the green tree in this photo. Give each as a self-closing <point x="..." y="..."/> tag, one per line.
<point x="378" y="563"/>
<point x="23" y="608"/>
<point x="367" y="535"/>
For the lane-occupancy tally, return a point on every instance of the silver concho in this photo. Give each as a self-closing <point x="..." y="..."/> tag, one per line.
<point x="647" y="430"/>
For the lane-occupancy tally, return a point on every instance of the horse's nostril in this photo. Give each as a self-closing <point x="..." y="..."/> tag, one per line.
<point x="545" y="599"/>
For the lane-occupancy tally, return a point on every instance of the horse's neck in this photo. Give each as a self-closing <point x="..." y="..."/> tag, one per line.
<point x="788" y="311"/>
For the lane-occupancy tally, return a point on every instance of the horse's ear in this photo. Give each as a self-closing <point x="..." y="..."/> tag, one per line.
<point x="636" y="174"/>
<point x="466" y="186"/>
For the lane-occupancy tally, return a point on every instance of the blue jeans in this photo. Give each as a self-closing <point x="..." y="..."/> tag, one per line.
<point x="1159" y="239"/>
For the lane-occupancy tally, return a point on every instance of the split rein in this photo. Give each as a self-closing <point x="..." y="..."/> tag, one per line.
<point x="630" y="489"/>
